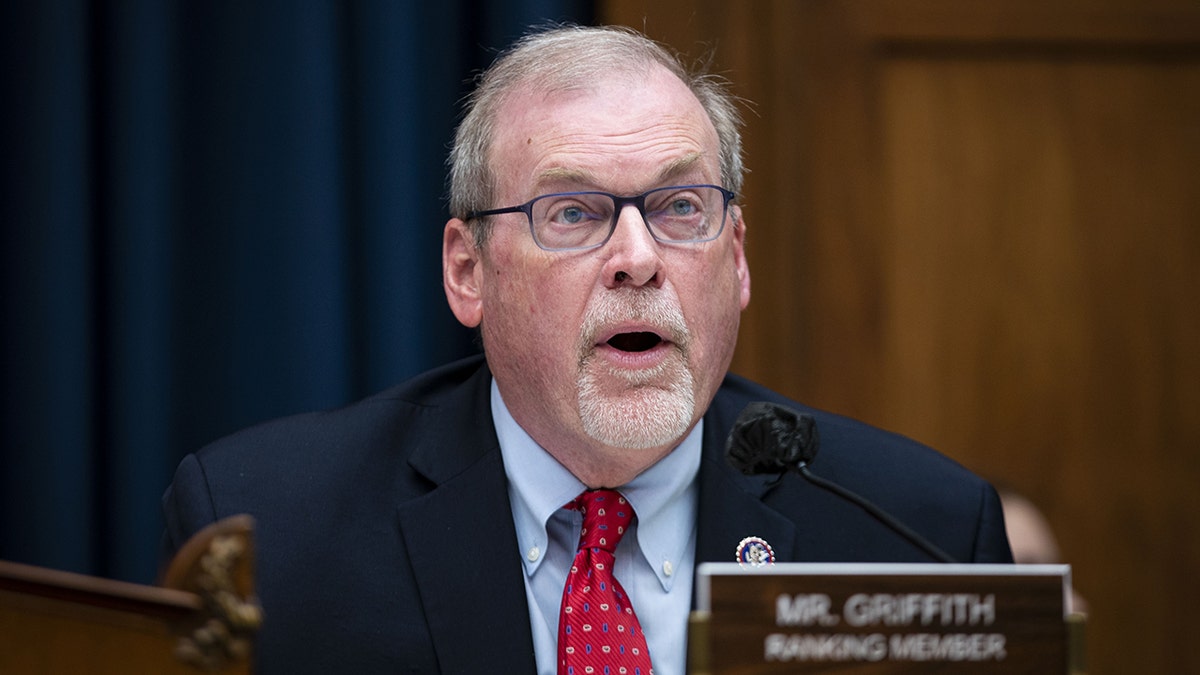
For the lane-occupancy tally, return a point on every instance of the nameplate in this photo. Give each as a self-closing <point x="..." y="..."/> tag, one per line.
<point x="883" y="618"/>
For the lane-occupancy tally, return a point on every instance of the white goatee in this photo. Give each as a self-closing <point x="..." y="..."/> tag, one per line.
<point x="635" y="408"/>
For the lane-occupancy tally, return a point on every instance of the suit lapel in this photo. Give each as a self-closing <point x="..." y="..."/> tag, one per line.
<point x="731" y="505"/>
<point x="463" y="546"/>
<point x="731" y="509"/>
<point x="462" y="543"/>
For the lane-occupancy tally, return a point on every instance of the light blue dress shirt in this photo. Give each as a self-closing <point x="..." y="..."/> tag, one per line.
<point x="655" y="560"/>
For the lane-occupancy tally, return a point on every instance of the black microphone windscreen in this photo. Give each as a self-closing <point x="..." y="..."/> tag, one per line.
<point x="770" y="438"/>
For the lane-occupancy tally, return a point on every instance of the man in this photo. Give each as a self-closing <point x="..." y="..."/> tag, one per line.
<point x="597" y="244"/>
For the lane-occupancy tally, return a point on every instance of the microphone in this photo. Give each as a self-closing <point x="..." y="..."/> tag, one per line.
<point x="768" y="438"/>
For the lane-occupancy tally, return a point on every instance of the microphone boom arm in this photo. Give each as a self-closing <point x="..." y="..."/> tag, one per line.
<point x="769" y="438"/>
<point x="879" y="514"/>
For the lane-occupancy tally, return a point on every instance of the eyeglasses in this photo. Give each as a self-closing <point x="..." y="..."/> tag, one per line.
<point x="569" y="221"/>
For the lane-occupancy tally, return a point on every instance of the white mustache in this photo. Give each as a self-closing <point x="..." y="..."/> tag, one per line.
<point x="635" y="305"/>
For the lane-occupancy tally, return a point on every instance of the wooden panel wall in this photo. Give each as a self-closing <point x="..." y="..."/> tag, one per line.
<point x="978" y="224"/>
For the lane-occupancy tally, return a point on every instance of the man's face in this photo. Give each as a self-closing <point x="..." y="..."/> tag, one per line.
<point x="606" y="356"/>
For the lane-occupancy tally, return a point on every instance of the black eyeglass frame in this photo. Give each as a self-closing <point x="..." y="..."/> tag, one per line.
<point x="619" y="204"/>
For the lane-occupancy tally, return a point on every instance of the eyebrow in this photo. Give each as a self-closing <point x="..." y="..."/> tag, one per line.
<point x="674" y="168"/>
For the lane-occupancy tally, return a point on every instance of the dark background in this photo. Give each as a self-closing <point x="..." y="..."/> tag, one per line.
<point x="213" y="213"/>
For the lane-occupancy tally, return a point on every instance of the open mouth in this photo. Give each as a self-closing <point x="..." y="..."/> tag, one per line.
<point x="635" y="342"/>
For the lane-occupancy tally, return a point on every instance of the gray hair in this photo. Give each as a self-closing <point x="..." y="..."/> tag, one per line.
<point x="563" y="58"/>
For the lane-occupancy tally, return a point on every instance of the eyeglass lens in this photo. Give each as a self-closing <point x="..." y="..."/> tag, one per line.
<point x="583" y="219"/>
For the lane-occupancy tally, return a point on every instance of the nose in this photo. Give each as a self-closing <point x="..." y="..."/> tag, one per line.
<point x="633" y="254"/>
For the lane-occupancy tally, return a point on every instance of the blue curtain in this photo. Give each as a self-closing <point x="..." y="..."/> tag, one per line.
<point x="213" y="213"/>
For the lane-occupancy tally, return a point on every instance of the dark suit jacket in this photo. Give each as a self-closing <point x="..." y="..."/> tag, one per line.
<point x="385" y="539"/>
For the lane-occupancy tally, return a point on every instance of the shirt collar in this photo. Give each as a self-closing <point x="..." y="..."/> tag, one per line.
<point x="664" y="496"/>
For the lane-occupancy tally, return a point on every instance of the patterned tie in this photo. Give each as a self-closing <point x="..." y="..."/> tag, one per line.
<point x="597" y="629"/>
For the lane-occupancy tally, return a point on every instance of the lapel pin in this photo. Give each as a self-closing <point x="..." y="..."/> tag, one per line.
<point x="755" y="552"/>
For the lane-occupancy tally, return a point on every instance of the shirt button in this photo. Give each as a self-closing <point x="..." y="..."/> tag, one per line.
<point x="668" y="568"/>
<point x="533" y="554"/>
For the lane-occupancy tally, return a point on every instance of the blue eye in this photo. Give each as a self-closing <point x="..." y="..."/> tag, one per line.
<point x="571" y="215"/>
<point x="682" y="207"/>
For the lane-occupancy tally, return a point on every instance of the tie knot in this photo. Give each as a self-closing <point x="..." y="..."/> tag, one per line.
<point x="606" y="516"/>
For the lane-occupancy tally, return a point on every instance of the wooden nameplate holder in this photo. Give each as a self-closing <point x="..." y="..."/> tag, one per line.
<point x="202" y="619"/>
<point x="876" y="619"/>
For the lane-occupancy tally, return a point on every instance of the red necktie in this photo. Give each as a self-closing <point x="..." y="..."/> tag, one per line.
<point x="598" y="632"/>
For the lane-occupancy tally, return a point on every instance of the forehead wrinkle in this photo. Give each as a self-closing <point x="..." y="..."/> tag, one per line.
<point x="676" y="167"/>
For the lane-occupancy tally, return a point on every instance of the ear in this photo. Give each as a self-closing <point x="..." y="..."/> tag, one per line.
<point x="739" y="243"/>
<point x="461" y="269"/>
